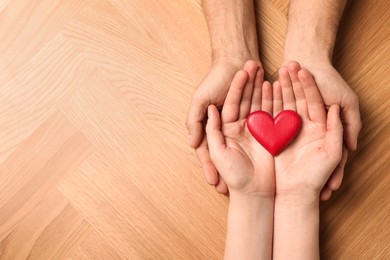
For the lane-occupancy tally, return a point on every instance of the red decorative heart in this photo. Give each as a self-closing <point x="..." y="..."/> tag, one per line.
<point x="274" y="134"/>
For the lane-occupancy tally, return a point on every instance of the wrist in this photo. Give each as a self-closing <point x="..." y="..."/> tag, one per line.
<point x="312" y="30"/>
<point x="308" y="199"/>
<point x="308" y="46"/>
<point x="313" y="63"/>
<point x="235" y="59"/>
<point x="232" y="28"/>
<point x="296" y="228"/>
<point x="251" y="200"/>
<point x="306" y="60"/>
<point x="297" y="211"/>
<point x="306" y="49"/>
<point x="250" y="227"/>
<point x="250" y="207"/>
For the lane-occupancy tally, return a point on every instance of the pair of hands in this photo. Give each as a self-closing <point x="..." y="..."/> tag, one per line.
<point x="215" y="86"/>
<point x="247" y="168"/>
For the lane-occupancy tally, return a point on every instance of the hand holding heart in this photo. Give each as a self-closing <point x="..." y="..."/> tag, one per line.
<point x="242" y="162"/>
<point x="304" y="166"/>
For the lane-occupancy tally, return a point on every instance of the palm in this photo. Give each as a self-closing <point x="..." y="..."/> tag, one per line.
<point x="241" y="161"/>
<point x="318" y="146"/>
<point x="308" y="149"/>
<point x="246" y="155"/>
<point x="212" y="90"/>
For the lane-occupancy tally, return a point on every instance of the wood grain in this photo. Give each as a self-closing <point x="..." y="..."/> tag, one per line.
<point x="94" y="156"/>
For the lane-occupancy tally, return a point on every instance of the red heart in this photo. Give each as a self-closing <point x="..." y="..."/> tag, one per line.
<point x="274" y="134"/>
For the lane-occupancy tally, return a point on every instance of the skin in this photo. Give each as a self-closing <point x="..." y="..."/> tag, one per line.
<point x="274" y="202"/>
<point x="312" y="28"/>
<point x="246" y="167"/>
<point x="303" y="169"/>
<point x="233" y="41"/>
<point x="310" y="38"/>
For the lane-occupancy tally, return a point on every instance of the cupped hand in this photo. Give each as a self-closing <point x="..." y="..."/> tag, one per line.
<point x="243" y="163"/>
<point x="335" y="90"/>
<point x="306" y="165"/>
<point x="213" y="90"/>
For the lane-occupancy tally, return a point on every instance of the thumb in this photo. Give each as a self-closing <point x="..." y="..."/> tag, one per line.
<point x="352" y="122"/>
<point x="334" y="133"/>
<point x="194" y="121"/>
<point x="215" y="138"/>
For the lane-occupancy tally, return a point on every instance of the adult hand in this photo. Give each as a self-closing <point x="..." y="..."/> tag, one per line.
<point x="335" y="90"/>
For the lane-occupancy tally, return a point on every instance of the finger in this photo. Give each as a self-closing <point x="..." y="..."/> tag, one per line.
<point x="251" y="68"/>
<point x="299" y="94"/>
<point x="209" y="170"/>
<point x="215" y="138"/>
<point x="315" y="103"/>
<point x="336" y="178"/>
<point x="221" y="187"/>
<point x="325" y="194"/>
<point x="277" y="95"/>
<point x="266" y="98"/>
<point x="256" y="97"/>
<point x="231" y="108"/>
<point x="194" y="121"/>
<point x="334" y="134"/>
<point x="287" y="90"/>
<point x="353" y="125"/>
<point x="216" y="144"/>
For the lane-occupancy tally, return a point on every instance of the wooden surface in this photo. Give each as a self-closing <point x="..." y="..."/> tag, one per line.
<point x="94" y="160"/>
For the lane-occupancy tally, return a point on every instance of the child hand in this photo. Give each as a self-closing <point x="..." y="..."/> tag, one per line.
<point x="305" y="166"/>
<point x="243" y="163"/>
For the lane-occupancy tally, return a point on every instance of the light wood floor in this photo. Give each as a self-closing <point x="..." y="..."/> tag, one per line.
<point x="94" y="160"/>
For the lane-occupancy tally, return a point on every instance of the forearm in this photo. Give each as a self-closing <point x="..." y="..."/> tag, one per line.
<point x="232" y="28"/>
<point x="312" y="29"/>
<point x="296" y="229"/>
<point x="250" y="228"/>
